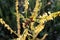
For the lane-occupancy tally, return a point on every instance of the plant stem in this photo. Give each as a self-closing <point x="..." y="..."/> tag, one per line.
<point x="18" y="18"/>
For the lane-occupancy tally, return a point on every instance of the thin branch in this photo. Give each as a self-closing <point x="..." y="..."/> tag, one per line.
<point x="24" y="35"/>
<point x="26" y="5"/>
<point x="7" y="26"/>
<point x="50" y="17"/>
<point x="37" y="31"/>
<point x="32" y="26"/>
<point x="34" y="13"/>
<point x="36" y="9"/>
<point x="21" y="16"/>
<point x="44" y="19"/>
<point x="43" y="38"/>
<point x="18" y="18"/>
